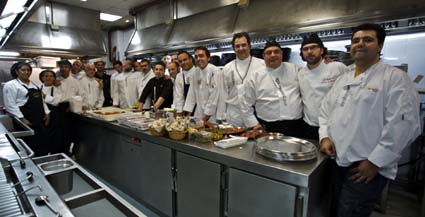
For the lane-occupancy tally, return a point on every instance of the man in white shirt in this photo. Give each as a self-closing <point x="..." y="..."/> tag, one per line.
<point x="77" y="70"/>
<point x="274" y="91"/>
<point x="202" y="96"/>
<point x="316" y="79"/>
<point x="68" y="84"/>
<point x="114" y="83"/>
<point x="183" y="80"/>
<point x="235" y="74"/>
<point x="90" y="88"/>
<point x="368" y="117"/>
<point x="138" y="80"/>
<point x="122" y="81"/>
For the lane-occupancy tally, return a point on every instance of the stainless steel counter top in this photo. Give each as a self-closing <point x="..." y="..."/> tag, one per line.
<point x="244" y="157"/>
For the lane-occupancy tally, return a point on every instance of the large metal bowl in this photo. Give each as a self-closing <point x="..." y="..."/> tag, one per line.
<point x="285" y="148"/>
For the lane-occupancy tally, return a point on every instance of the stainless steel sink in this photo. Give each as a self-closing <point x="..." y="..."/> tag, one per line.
<point x="56" y="165"/>
<point x="16" y="127"/>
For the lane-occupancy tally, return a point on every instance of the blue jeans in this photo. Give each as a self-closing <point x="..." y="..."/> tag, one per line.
<point x="355" y="199"/>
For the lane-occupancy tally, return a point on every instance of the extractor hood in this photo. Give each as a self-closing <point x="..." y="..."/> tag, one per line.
<point x="56" y="29"/>
<point x="194" y="23"/>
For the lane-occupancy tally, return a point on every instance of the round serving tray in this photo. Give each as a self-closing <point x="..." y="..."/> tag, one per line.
<point x="285" y="148"/>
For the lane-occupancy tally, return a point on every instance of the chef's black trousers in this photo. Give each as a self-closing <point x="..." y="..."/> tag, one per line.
<point x="287" y="127"/>
<point x="310" y="132"/>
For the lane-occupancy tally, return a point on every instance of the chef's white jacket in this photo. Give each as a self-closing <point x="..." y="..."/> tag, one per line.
<point x="201" y="92"/>
<point x="275" y="93"/>
<point x="314" y="85"/>
<point x="15" y="96"/>
<point x="52" y="99"/>
<point x="136" y="83"/>
<point x="91" y="93"/>
<point x="69" y="87"/>
<point x="235" y="73"/>
<point x="114" y="89"/>
<point x="178" y="94"/>
<point x="122" y="81"/>
<point x="372" y="116"/>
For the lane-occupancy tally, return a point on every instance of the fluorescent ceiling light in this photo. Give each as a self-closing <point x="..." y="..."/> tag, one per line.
<point x="9" y="53"/>
<point x="109" y="17"/>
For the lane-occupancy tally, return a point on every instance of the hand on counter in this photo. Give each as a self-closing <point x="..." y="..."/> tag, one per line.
<point x="327" y="147"/>
<point x="25" y="121"/>
<point x="364" y="172"/>
<point x="258" y="127"/>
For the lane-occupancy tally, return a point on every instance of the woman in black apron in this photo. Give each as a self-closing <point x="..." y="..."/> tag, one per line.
<point x="24" y="99"/>
<point x="55" y="129"/>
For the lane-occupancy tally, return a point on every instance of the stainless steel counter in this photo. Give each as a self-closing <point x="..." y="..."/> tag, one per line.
<point x="244" y="157"/>
<point x="163" y="172"/>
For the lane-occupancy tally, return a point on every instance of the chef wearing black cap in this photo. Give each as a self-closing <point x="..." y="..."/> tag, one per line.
<point x="274" y="92"/>
<point x="316" y="79"/>
<point x="24" y="100"/>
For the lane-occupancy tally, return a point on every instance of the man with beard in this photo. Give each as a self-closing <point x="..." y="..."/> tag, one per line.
<point x="138" y="80"/>
<point x="366" y="120"/>
<point x="159" y="89"/>
<point x="275" y="93"/>
<point x="316" y="79"/>
<point x="235" y="73"/>
<point x="183" y="79"/>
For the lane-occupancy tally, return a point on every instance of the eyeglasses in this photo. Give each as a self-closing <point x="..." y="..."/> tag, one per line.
<point x="312" y="47"/>
<point x="270" y="52"/>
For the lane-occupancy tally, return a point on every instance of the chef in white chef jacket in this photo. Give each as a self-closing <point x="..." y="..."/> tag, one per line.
<point x="78" y="70"/>
<point x="183" y="80"/>
<point x="201" y="91"/>
<point x="274" y="92"/>
<point x="114" y="83"/>
<point x="316" y="79"/>
<point x="369" y="116"/>
<point x="68" y="85"/>
<point x="91" y="90"/>
<point x="122" y="81"/>
<point x="138" y="80"/>
<point x="235" y="74"/>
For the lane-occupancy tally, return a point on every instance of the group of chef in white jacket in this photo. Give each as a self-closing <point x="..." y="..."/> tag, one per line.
<point x="363" y="115"/>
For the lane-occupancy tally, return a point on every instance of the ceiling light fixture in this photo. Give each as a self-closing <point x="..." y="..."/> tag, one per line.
<point x="127" y="21"/>
<point x="84" y="0"/>
<point x="9" y="53"/>
<point x="109" y="17"/>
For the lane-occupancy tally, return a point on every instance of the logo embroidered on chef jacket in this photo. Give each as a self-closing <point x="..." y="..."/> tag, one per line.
<point x="36" y="94"/>
<point x="373" y="89"/>
<point x="329" y="80"/>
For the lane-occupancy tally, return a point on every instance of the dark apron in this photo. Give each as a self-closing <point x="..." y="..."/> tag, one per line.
<point x="287" y="127"/>
<point x="33" y="111"/>
<point x="55" y="130"/>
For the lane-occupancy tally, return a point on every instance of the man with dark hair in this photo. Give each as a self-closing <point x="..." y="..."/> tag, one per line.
<point x="114" y="85"/>
<point x="275" y="93"/>
<point x="201" y="93"/>
<point x="106" y="82"/>
<point x="78" y="70"/>
<point x="183" y="79"/>
<point x="235" y="73"/>
<point x="316" y="79"/>
<point x="138" y="80"/>
<point x="366" y="120"/>
<point x="159" y="89"/>
<point x="122" y="81"/>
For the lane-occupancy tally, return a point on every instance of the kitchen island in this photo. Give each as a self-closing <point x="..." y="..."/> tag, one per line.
<point x="185" y="178"/>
